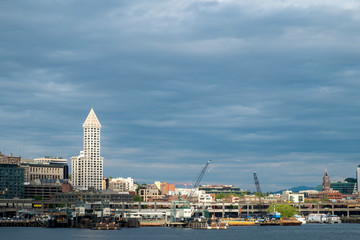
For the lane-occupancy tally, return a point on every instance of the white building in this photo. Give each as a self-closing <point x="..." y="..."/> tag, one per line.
<point x="289" y="196"/>
<point x="358" y="179"/>
<point x="87" y="168"/>
<point x="199" y="195"/>
<point x="181" y="191"/>
<point x="204" y="197"/>
<point x="122" y="184"/>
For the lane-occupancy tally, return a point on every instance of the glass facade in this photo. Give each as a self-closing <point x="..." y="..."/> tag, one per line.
<point x="343" y="187"/>
<point x="11" y="181"/>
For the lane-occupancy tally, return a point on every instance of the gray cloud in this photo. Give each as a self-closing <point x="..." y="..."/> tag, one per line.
<point x="258" y="86"/>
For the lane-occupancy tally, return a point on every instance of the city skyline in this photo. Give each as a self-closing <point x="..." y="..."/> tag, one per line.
<point x="270" y="87"/>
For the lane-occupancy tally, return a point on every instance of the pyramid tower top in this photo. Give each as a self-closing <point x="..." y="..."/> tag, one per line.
<point x="92" y="120"/>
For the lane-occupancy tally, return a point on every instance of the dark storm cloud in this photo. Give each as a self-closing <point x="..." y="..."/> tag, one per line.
<point x="258" y="86"/>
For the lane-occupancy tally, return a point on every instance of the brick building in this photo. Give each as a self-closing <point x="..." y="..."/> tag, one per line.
<point x="165" y="188"/>
<point x="9" y="159"/>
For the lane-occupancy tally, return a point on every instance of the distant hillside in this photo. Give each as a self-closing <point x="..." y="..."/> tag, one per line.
<point x="296" y="189"/>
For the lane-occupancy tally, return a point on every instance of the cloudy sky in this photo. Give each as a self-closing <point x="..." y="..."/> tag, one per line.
<point x="266" y="86"/>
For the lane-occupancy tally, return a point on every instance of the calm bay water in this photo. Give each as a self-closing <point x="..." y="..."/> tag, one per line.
<point x="305" y="232"/>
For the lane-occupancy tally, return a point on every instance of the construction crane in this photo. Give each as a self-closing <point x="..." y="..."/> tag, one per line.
<point x="258" y="190"/>
<point x="257" y="184"/>
<point x="181" y="209"/>
<point x="198" y="179"/>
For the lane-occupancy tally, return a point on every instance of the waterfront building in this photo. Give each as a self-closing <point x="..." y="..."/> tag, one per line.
<point x="122" y="184"/>
<point x="87" y="168"/>
<point x="11" y="181"/>
<point x="9" y="159"/>
<point x="51" y="160"/>
<point x="149" y="192"/>
<point x="37" y="170"/>
<point x="326" y="182"/>
<point x="343" y="187"/>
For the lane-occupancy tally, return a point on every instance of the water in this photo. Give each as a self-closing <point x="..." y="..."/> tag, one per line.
<point x="304" y="232"/>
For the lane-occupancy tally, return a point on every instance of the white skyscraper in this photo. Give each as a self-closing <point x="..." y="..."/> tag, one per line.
<point x="87" y="168"/>
<point x="358" y="179"/>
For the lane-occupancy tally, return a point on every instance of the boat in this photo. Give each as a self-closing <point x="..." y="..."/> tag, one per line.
<point x="316" y="218"/>
<point x="105" y="226"/>
<point x="290" y="222"/>
<point x="269" y="223"/>
<point x="300" y="218"/>
<point x="218" y="226"/>
<point x="149" y="223"/>
<point x="241" y="223"/>
<point x="334" y="219"/>
<point x="213" y="225"/>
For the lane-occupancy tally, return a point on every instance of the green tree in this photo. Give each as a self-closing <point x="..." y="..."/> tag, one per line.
<point x="226" y="195"/>
<point x="137" y="198"/>
<point x="284" y="209"/>
<point x="259" y="194"/>
<point x="350" y="180"/>
<point x="37" y="197"/>
<point x="324" y="200"/>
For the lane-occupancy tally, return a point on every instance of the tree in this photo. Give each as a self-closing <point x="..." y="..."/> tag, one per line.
<point x="284" y="209"/>
<point x="259" y="194"/>
<point x="137" y="198"/>
<point x="226" y="195"/>
<point x="350" y="180"/>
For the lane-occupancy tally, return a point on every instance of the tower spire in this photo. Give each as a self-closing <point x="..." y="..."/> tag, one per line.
<point x="326" y="182"/>
<point x="92" y="120"/>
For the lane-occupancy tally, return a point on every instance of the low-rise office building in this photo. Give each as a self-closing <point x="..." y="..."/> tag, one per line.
<point x="9" y="159"/>
<point x="206" y="197"/>
<point x="289" y="196"/>
<point x="44" y="189"/>
<point x="122" y="184"/>
<point x="35" y="171"/>
<point x="149" y="192"/>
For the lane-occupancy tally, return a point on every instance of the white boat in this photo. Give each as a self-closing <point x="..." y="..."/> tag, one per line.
<point x="300" y="218"/>
<point x="316" y="218"/>
<point x="334" y="219"/>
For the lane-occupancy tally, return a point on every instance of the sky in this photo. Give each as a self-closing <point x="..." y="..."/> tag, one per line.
<point x="265" y="86"/>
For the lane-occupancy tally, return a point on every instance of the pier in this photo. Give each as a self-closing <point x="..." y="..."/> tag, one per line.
<point x="221" y="209"/>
